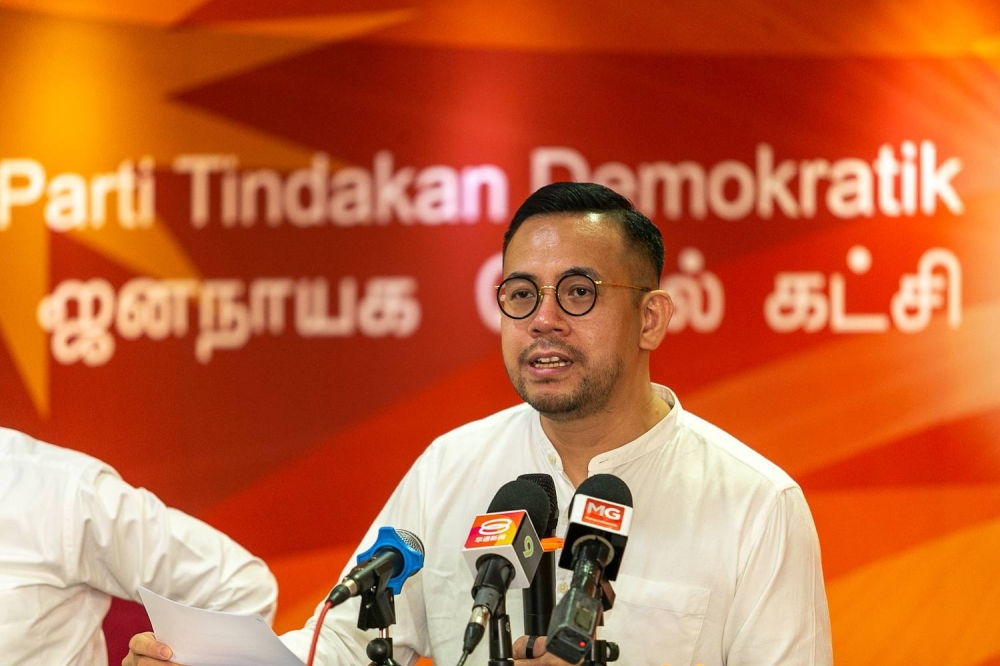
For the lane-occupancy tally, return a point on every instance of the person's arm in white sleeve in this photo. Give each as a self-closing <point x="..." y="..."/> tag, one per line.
<point x="119" y="538"/>
<point x="779" y="614"/>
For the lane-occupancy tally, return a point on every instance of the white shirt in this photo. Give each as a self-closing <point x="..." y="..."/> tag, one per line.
<point x="722" y="565"/>
<point x="73" y="534"/>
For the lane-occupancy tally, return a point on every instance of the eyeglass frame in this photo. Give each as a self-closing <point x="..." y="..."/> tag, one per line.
<point x="555" y="290"/>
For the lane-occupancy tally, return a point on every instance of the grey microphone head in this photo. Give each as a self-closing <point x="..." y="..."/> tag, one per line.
<point x="411" y="540"/>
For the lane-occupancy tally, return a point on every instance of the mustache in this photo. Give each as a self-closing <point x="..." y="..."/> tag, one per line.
<point x="569" y="351"/>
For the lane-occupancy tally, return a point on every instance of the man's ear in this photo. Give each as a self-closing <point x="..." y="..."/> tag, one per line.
<point x="657" y="308"/>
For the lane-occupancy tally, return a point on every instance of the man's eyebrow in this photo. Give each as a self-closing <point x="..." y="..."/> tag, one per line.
<point x="572" y="270"/>
<point x="581" y="270"/>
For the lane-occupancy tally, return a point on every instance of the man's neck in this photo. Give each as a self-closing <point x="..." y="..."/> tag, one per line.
<point x="579" y="440"/>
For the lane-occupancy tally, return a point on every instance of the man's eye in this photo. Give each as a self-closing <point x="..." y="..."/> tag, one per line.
<point x="579" y="291"/>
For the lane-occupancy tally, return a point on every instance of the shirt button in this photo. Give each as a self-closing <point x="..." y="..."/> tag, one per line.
<point x="553" y="458"/>
<point x="563" y="587"/>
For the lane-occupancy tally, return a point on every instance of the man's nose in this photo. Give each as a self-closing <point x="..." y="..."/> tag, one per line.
<point x="549" y="315"/>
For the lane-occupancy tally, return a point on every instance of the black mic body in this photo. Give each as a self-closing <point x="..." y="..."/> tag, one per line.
<point x="504" y="551"/>
<point x="539" y="598"/>
<point x="579" y="611"/>
<point x="600" y="519"/>
<point x="493" y="578"/>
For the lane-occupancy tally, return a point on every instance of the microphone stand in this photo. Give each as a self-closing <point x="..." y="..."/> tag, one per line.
<point x="378" y="611"/>
<point x="501" y="649"/>
<point x="602" y="651"/>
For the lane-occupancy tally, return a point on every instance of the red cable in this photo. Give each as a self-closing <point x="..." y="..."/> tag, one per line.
<point x="319" y="625"/>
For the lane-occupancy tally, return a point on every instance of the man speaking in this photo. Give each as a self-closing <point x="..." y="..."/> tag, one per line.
<point x="723" y="563"/>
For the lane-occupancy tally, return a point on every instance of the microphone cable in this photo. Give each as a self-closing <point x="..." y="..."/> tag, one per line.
<point x="319" y="625"/>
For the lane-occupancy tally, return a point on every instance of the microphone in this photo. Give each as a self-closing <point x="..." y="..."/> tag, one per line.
<point x="600" y="517"/>
<point x="396" y="554"/>
<point x="503" y="550"/>
<point x="540" y="597"/>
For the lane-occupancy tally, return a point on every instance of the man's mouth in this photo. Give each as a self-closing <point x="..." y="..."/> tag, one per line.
<point x="550" y="362"/>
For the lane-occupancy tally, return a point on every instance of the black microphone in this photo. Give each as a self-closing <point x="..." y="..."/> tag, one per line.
<point x="600" y="517"/>
<point x="396" y="554"/>
<point x="504" y="551"/>
<point x="540" y="597"/>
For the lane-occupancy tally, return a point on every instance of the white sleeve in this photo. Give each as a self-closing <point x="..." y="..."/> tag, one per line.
<point x="118" y="537"/>
<point x="779" y="614"/>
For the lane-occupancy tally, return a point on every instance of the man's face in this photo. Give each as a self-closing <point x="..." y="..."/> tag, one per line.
<point x="569" y="367"/>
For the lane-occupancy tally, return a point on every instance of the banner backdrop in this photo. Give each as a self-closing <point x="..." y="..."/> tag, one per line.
<point x="248" y="249"/>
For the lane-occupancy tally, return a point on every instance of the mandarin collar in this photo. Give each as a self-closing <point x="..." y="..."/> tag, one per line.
<point x="649" y="441"/>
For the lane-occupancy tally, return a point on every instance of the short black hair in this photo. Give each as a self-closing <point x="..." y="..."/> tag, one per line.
<point x="639" y="231"/>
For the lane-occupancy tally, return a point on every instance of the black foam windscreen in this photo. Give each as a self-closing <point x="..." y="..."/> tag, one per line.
<point x="606" y="487"/>
<point x="521" y="495"/>
<point x="545" y="482"/>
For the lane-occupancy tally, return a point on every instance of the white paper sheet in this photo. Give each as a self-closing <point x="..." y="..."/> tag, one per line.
<point x="211" y="638"/>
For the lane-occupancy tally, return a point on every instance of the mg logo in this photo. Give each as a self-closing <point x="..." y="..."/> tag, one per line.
<point x="603" y="514"/>
<point x="495" y="526"/>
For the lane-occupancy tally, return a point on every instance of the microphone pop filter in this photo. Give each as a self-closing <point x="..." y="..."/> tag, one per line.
<point x="606" y="487"/>
<point x="545" y="482"/>
<point x="522" y="495"/>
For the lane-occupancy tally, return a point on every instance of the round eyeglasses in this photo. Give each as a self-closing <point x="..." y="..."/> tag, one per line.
<point x="576" y="294"/>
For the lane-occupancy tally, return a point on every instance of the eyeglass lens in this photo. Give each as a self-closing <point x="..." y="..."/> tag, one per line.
<point x="575" y="293"/>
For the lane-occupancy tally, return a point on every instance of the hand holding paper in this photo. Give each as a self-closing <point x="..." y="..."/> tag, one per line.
<point x="211" y="638"/>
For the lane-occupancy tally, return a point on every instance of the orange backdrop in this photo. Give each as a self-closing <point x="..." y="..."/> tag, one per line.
<point x="247" y="252"/>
